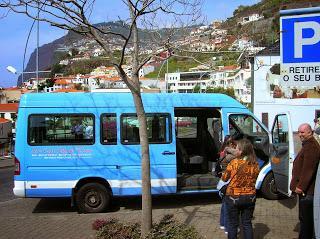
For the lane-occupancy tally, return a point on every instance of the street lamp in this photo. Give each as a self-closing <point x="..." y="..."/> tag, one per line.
<point x="11" y="69"/>
<point x="14" y="71"/>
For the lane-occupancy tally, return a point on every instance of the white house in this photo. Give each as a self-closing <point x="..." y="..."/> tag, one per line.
<point x="64" y="62"/>
<point x="146" y="69"/>
<point x="59" y="84"/>
<point x="185" y="82"/>
<point x="241" y="44"/>
<point x="251" y="18"/>
<point x="97" y="52"/>
<point x="226" y="77"/>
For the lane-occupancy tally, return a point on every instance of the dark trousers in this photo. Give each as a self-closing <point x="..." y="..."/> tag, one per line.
<point x="224" y="214"/>
<point x="242" y="206"/>
<point x="306" y="217"/>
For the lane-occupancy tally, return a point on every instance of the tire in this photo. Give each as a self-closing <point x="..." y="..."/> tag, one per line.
<point x="268" y="188"/>
<point x="93" y="198"/>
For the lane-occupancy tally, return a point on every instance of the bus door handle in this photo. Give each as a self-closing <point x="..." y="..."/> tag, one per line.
<point x="258" y="141"/>
<point x="168" y="153"/>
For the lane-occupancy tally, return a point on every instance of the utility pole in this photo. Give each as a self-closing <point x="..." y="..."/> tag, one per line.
<point x="252" y="82"/>
<point x="37" y="53"/>
<point x="166" y="80"/>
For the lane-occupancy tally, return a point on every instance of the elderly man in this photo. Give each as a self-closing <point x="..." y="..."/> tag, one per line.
<point x="303" y="179"/>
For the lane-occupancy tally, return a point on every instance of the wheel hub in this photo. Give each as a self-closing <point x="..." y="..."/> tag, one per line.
<point x="92" y="199"/>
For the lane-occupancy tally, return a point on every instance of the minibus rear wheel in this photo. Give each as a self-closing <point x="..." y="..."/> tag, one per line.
<point x="93" y="198"/>
<point x="268" y="188"/>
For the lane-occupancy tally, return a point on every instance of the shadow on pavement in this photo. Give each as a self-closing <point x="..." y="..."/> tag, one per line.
<point x="167" y="201"/>
<point x="289" y="202"/>
<point x="52" y="205"/>
<point x="260" y="230"/>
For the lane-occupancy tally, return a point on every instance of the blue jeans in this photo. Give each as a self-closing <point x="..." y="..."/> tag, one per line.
<point x="306" y="217"/>
<point x="224" y="214"/>
<point x="242" y="206"/>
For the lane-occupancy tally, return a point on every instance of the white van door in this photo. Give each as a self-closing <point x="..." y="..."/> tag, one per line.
<point x="282" y="152"/>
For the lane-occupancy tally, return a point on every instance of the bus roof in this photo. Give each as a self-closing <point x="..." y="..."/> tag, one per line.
<point x="102" y="100"/>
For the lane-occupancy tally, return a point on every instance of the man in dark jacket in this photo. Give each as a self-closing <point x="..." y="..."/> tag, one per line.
<point x="303" y="179"/>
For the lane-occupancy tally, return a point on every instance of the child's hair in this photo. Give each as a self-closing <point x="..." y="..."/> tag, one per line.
<point x="231" y="143"/>
<point x="228" y="141"/>
<point x="246" y="148"/>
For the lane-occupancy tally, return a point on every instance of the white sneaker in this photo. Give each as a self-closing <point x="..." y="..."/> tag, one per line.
<point x="226" y="233"/>
<point x="222" y="227"/>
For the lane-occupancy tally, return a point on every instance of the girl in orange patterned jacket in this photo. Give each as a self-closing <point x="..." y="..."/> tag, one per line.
<point x="241" y="193"/>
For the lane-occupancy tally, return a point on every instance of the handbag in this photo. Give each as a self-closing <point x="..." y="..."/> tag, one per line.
<point x="222" y="185"/>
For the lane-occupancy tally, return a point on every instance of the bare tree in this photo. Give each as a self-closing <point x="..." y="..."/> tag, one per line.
<point x="151" y="15"/>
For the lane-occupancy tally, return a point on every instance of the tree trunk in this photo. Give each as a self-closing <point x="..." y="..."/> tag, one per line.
<point x="146" y="222"/>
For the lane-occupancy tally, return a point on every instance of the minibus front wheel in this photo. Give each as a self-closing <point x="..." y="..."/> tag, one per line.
<point x="268" y="188"/>
<point x="93" y="198"/>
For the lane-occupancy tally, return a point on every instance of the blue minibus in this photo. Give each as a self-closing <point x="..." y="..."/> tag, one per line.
<point x="85" y="146"/>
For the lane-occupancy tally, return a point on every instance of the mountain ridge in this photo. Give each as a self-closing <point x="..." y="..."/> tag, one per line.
<point x="264" y="32"/>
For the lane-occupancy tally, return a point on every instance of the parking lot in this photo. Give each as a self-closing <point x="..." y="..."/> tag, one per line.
<point x="55" y="218"/>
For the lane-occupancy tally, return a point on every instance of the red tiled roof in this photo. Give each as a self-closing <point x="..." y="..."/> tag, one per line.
<point x="23" y="91"/>
<point x="61" y="82"/>
<point x="65" y="78"/>
<point x="233" y="67"/>
<point x="2" y="120"/>
<point x="67" y="90"/>
<point x="13" y="88"/>
<point x="104" y="77"/>
<point x="10" y="107"/>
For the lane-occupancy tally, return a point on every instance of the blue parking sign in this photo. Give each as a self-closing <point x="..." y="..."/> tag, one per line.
<point x="300" y="38"/>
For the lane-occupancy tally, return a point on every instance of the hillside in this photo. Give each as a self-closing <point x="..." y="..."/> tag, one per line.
<point x="50" y="53"/>
<point x="263" y="33"/>
<point x="266" y="31"/>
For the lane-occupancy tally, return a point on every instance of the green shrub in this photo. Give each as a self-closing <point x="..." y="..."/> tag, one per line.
<point x="167" y="228"/>
<point x="113" y="229"/>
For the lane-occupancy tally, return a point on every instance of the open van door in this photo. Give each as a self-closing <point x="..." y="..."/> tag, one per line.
<point x="282" y="152"/>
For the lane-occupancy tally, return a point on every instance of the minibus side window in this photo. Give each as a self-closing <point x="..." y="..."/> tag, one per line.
<point x="186" y="127"/>
<point x="158" y="127"/>
<point x="108" y="129"/>
<point x="245" y="124"/>
<point x="50" y="129"/>
<point x="281" y="130"/>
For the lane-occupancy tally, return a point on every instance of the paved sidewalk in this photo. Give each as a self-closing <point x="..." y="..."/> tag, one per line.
<point x="52" y="218"/>
<point x="6" y="162"/>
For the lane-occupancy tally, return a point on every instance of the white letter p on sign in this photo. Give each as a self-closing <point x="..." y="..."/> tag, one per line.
<point x="299" y="41"/>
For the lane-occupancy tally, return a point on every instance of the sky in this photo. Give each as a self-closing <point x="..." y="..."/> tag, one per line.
<point x="14" y="30"/>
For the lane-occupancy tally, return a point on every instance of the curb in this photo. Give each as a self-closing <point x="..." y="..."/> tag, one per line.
<point x="6" y="162"/>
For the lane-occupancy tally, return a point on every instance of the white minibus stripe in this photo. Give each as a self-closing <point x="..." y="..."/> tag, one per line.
<point x="169" y="182"/>
<point x="50" y="184"/>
